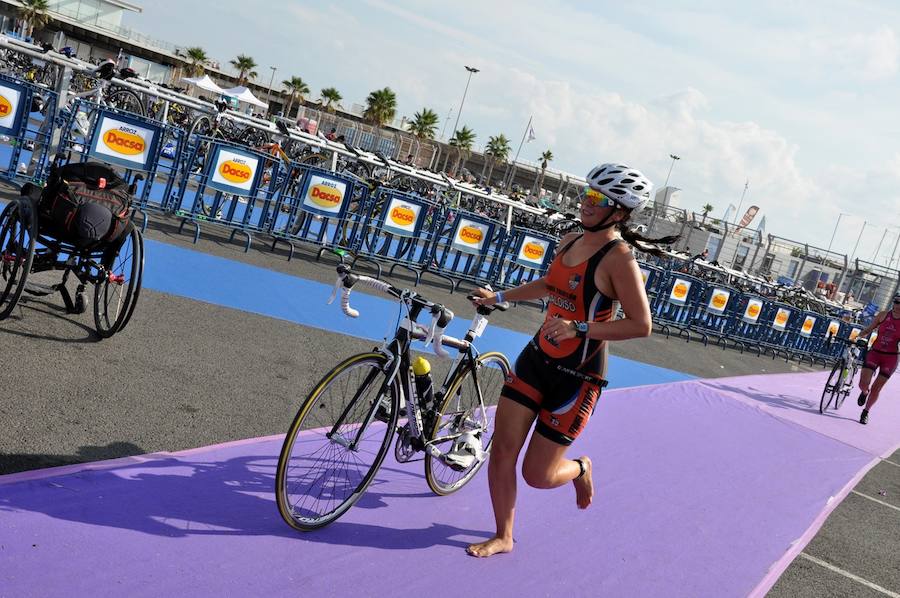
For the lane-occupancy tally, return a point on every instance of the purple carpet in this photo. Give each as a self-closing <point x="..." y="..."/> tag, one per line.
<point x="702" y="491"/>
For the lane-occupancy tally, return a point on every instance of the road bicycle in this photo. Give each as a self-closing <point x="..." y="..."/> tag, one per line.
<point x="840" y="381"/>
<point x="343" y="429"/>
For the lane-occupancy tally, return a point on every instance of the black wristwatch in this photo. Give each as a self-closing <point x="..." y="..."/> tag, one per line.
<point x="581" y="328"/>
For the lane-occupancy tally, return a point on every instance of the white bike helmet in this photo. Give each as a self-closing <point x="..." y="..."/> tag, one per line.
<point x="625" y="186"/>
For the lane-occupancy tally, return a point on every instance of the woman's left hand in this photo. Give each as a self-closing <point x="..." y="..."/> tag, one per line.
<point x="558" y="330"/>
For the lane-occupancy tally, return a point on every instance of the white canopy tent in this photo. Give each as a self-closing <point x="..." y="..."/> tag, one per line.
<point x="204" y="82"/>
<point x="244" y="95"/>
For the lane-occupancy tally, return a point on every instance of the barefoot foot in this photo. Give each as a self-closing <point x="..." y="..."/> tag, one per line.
<point x="493" y="546"/>
<point x="584" y="485"/>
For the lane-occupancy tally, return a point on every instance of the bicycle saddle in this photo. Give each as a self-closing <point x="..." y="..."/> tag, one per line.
<point x="106" y="70"/>
<point x="127" y="73"/>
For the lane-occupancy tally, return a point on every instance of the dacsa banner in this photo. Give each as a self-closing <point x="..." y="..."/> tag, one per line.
<point x="718" y="301"/>
<point x="10" y="108"/>
<point x="470" y="236"/>
<point x="680" y="290"/>
<point x="645" y="275"/>
<point x="402" y="217"/>
<point x="233" y="171"/>
<point x="123" y="141"/>
<point x="807" y="327"/>
<point x="532" y="251"/>
<point x="833" y="327"/>
<point x="781" y="319"/>
<point x="752" y="311"/>
<point x="324" y="195"/>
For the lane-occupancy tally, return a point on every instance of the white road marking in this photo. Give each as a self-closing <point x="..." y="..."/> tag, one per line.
<point x="873" y="499"/>
<point x="849" y="575"/>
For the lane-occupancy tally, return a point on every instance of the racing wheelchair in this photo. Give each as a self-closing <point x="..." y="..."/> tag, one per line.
<point x="78" y="223"/>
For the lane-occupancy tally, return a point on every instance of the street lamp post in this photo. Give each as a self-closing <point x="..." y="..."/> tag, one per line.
<point x="836" y="224"/>
<point x="671" y="166"/>
<point x="271" y="80"/>
<point x="472" y="70"/>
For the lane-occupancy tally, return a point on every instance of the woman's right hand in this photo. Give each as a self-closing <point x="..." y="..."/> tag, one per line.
<point x="483" y="297"/>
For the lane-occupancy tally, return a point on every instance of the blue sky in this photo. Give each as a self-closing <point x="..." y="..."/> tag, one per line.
<point x="798" y="97"/>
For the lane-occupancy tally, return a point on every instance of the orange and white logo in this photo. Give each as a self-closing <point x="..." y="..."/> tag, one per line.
<point x="471" y="235"/>
<point x="854" y="334"/>
<point x="235" y="171"/>
<point x="533" y="251"/>
<point x="719" y="300"/>
<point x="124" y="141"/>
<point x="325" y="196"/>
<point x="753" y="310"/>
<point x="6" y="107"/>
<point x="680" y="290"/>
<point x="833" y="328"/>
<point x="781" y="318"/>
<point x="808" y="324"/>
<point x="645" y="275"/>
<point x="403" y="215"/>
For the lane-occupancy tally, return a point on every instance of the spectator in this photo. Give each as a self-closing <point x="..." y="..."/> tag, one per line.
<point x="331" y="135"/>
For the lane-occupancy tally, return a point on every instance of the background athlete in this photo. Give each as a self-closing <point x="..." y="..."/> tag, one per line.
<point x="882" y="356"/>
<point x="558" y="377"/>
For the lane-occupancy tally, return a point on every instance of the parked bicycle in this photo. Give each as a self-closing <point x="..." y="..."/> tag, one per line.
<point x="840" y="381"/>
<point x="343" y="429"/>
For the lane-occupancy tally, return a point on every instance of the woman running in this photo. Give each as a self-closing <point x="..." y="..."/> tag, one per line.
<point x="882" y="357"/>
<point x="558" y="377"/>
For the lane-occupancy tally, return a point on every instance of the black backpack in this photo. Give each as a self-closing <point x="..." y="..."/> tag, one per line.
<point x="84" y="204"/>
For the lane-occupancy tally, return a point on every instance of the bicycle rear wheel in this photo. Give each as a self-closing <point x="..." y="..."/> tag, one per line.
<point x="336" y="443"/>
<point x="125" y="99"/>
<point x="832" y="386"/>
<point x="462" y="411"/>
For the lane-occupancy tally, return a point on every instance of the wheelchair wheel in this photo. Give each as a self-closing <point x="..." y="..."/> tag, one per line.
<point x="18" y="231"/>
<point x="115" y="296"/>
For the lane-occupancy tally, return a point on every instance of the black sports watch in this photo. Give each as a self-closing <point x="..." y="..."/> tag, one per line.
<point x="581" y="328"/>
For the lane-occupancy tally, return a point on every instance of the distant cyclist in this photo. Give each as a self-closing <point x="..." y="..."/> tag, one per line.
<point x="558" y="377"/>
<point x="882" y="356"/>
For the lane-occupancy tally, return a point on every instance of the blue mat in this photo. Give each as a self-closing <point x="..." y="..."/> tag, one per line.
<point x="249" y="288"/>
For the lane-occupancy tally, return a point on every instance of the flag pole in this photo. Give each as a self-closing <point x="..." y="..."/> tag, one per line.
<point x="512" y="175"/>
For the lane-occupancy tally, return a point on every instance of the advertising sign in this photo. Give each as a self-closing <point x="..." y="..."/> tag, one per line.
<point x="470" y="236"/>
<point x="807" y="327"/>
<point x="124" y="142"/>
<point x="718" y="300"/>
<point x="11" y="97"/>
<point x="532" y="251"/>
<point x="781" y="319"/>
<point x="752" y="311"/>
<point x="324" y="195"/>
<point x="680" y="290"/>
<point x="233" y="171"/>
<point x="401" y="217"/>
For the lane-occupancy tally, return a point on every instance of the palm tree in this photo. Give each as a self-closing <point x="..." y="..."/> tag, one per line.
<point x="546" y="158"/>
<point x="244" y="65"/>
<point x="296" y="88"/>
<point x="462" y="141"/>
<point x="706" y="210"/>
<point x="198" y="58"/>
<point x="34" y="15"/>
<point x="424" y="124"/>
<point x="381" y="106"/>
<point x="498" y="149"/>
<point x="331" y="96"/>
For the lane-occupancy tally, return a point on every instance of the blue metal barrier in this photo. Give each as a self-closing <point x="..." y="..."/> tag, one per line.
<point x="716" y="308"/>
<point x="679" y="301"/>
<point x="525" y="257"/>
<point x="25" y="136"/>
<point x="468" y="247"/>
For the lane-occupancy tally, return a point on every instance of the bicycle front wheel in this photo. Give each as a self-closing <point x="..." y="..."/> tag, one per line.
<point x="468" y="406"/>
<point x="832" y="386"/>
<point x="336" y="443"/>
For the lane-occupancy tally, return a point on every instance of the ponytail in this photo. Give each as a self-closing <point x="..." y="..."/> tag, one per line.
<point x="642" y="243"/>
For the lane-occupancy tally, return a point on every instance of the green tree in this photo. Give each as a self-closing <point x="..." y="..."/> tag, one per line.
<point x="424" y="124"/>
<point x="244" y="65"/>
<point x="498" y="149"/>
<point x="197" y="57"/>
<point x="462" y="142"/>
<point x="381" y="106"/>
<point x="296" y="88"/>
<point x="34" y="15"/>
<point x="706" y="210"/>
<point x="546" y="158"/>
<point x="330" y="97"/>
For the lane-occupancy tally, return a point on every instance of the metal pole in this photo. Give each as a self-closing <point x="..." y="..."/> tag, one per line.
<point x="836" y="224"/>
<point x="671" y="166"/>
<point x="877" y="249"/>
<point x="446" y="120"/>
<point x="472" y="71"/>
<point x="271" y="80"/>
<point x="853" y="254"/>
<point x="738" y="211"/>
<point x="508" y="182"/>
<point x="894" y="252"/>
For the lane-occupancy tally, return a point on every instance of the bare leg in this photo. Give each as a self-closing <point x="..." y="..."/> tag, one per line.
<point x="880" y="381"/>
<point x="511" y="428"/>
<point x="865" y="379"/>
<point x="546" y="466"/>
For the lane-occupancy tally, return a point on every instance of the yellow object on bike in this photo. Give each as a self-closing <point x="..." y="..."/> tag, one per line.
<point x="421" y="366"/>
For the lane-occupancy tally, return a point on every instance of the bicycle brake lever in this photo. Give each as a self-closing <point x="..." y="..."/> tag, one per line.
<point x="334" y="291"/>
